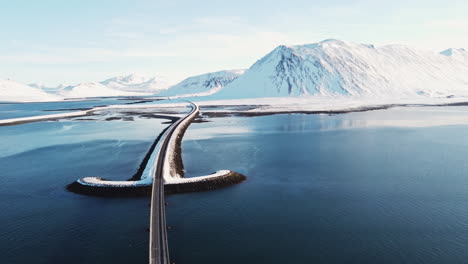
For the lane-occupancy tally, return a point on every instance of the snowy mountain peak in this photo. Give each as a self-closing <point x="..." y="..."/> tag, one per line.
<point x="338" y="68"/>
<point x="137" y="83"/>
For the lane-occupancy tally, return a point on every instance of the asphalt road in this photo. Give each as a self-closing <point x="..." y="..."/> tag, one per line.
<point x="159" y="252"/>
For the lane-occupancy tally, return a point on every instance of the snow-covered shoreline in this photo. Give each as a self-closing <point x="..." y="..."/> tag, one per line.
<point x="322" y="103"/>
<point x="274" y="105"/>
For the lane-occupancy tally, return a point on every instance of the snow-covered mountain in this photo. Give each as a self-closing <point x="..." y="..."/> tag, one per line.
<point x="337" y="68"/>
<point x="331" y="68"/>
<point x="91" y="89"/>
<point x="129" y="85"/>
<point x="137" y="83"/>
<point x="17" y="92"/>
<point x="203" y="85"/>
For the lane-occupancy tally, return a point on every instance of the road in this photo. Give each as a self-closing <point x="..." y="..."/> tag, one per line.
<point x="158" y="248"/>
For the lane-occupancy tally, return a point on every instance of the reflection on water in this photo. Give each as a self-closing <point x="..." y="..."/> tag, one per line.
<point x="398" y="117"/>
<point x="395" y="117"/>
<point x="225" y="130"/>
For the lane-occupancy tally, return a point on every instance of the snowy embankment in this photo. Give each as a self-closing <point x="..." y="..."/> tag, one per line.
<point x="172" y="172"/>
<point x="216" y="180"/>
<point x="28" y="119"/>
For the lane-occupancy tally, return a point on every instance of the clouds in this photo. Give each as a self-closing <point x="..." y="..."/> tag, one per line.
<point x="205" y="44"/>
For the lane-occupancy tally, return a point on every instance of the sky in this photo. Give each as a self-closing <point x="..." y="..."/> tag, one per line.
<point x="57" y="41"/>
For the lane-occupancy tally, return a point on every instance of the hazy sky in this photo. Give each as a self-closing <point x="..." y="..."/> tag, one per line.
<point x="70" y="41"/>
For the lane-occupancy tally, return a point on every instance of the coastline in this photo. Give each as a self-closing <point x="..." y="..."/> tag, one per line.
<point x="262" y="106"/>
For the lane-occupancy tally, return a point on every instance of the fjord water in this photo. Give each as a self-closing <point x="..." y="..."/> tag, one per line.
<point x="388" y="186"/>
<point x="41" y="222"/>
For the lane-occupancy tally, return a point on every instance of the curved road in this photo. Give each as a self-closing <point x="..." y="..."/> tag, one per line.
<point x="158" y="249"/>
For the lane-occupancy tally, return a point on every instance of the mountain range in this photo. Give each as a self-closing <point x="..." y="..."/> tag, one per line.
<point x="137" y="83"/>
<point x="330" y="68"/>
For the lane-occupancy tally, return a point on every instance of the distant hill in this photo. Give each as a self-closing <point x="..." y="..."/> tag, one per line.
<point x="14" y="91"/>
<point x="202" y="85"/>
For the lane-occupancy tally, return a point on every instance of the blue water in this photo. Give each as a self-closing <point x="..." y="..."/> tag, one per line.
<point x="328" y="189"/>
<point x="387" y="186"/>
